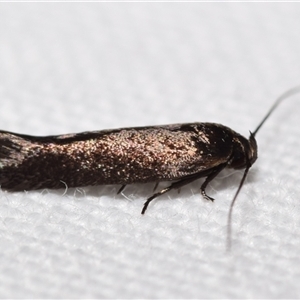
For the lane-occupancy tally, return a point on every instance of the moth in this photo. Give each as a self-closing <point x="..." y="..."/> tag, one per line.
<point x="180" y="153"/>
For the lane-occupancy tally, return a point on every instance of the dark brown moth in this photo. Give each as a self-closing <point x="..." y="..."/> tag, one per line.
<point x="181" y="153"/>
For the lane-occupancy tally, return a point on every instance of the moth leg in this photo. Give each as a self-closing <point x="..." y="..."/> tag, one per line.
<point x="156" y="185"/>
<point x="174" y="185"/>
<point x="208" y="179"/>
<point x="121" y="188"/>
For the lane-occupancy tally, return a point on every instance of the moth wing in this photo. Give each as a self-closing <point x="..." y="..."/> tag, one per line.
<point x="213" y="144"/>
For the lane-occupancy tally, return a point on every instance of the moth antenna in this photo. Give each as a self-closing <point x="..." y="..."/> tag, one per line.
<point x="229" y="227"/>
<point x="285" y="95"/>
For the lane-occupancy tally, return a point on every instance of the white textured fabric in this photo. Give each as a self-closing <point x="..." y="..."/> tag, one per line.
<point x="71" y="67"/>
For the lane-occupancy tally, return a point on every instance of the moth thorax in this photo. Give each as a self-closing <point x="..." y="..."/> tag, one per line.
<point x="244" y="152"/>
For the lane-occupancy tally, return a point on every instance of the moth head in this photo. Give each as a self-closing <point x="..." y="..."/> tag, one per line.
<point x="252" y="151"/>
<point x="244" y="152"/>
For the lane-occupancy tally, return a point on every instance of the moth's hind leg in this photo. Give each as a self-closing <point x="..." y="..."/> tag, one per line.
<point x="121" y="188"/>
<point x="211" y="174"/>
<point x="156" y="185"/>
<point x="174" y="185"/>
